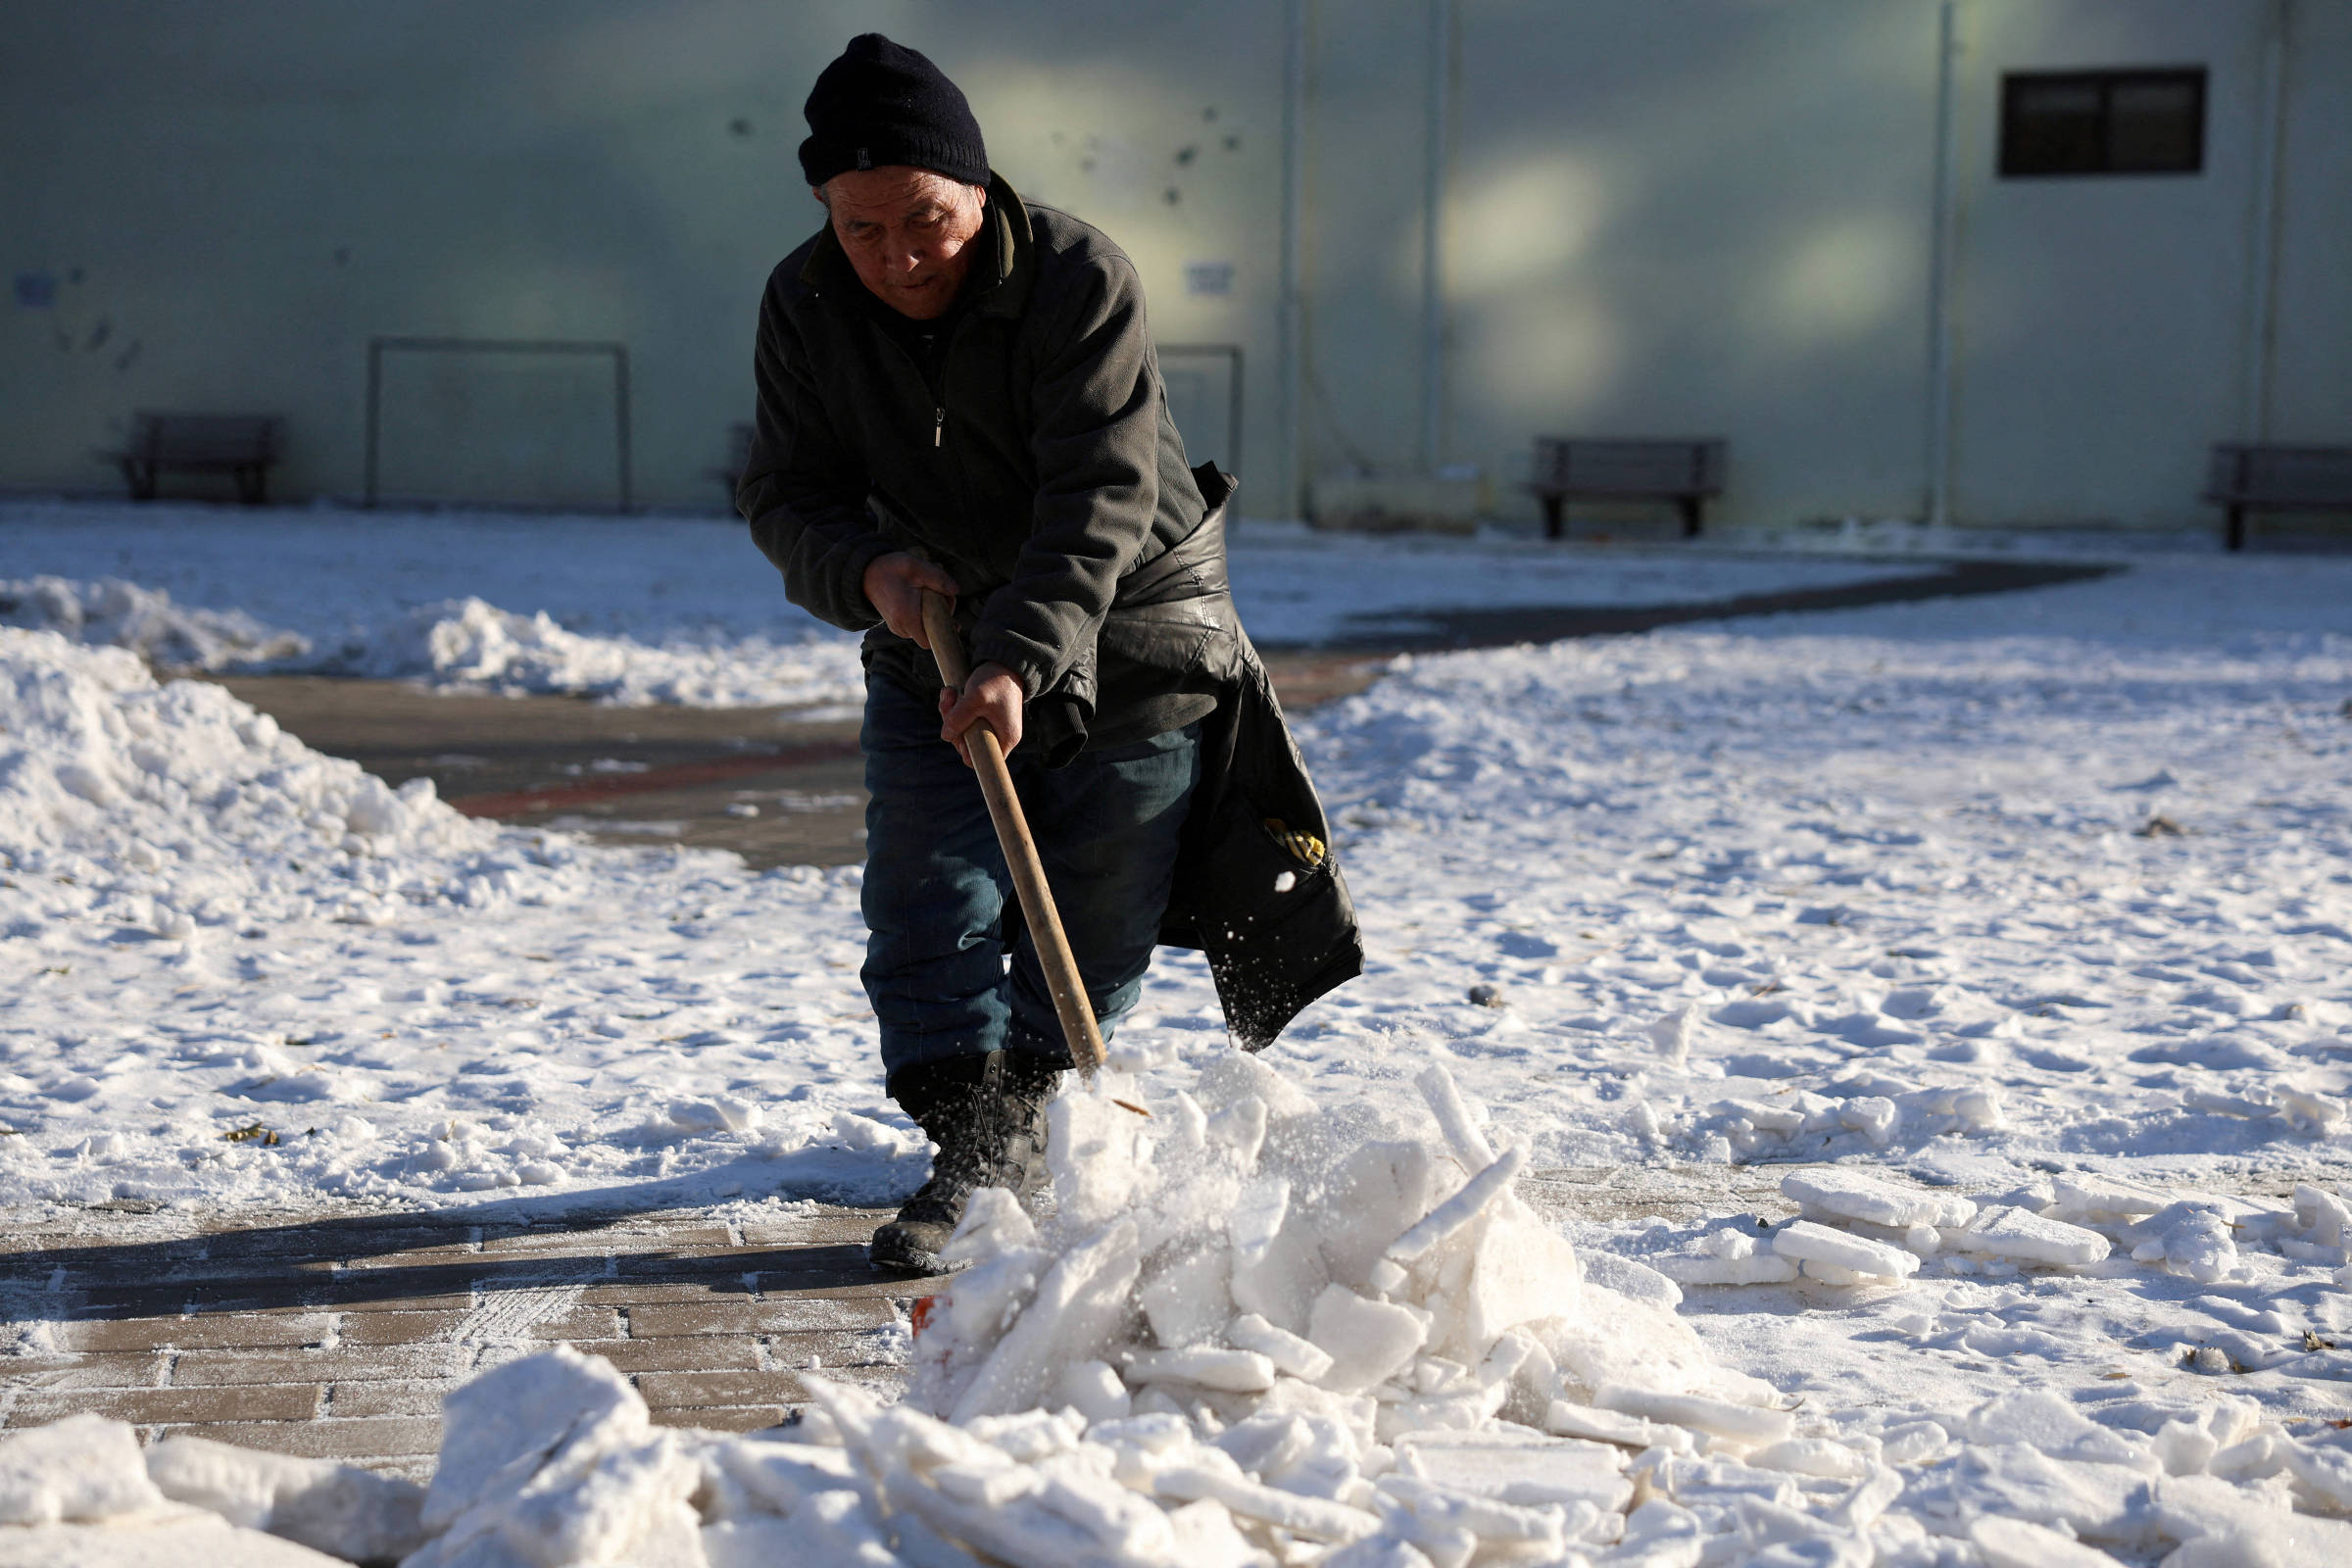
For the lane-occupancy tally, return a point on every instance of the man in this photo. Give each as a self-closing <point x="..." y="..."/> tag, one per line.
<point x="957" y="394"/>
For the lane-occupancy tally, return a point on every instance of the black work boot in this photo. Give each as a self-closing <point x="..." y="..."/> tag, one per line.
<point x="988" y="1116"/>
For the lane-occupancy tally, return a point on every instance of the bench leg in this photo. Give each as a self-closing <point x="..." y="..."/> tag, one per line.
<point x="142" y="480"/>
<point x="1689" y="505"/>
<point x="2238" y="528"/>
<point x="1553" y="523"/>
<point x="249" y="486"/>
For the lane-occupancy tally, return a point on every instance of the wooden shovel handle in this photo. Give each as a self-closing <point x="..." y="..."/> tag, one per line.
<point x="1053" y="956"/>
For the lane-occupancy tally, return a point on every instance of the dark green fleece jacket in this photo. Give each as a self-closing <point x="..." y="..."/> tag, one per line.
<point x="1031" y="456"/>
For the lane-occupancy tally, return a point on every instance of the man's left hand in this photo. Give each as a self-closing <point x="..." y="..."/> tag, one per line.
<point x="993" y="697"/>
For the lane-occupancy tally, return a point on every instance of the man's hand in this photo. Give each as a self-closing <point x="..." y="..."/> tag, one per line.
<point x="992" y="696"/>
<point x="894" y="586"/>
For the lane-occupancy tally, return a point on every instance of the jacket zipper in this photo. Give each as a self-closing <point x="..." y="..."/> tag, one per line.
<point x="938" y="427"/>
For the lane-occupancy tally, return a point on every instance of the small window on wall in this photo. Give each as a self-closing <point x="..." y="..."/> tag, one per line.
<point x="2102" y="123"/>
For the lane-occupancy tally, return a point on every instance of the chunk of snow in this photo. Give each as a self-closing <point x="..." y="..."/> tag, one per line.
<point x="1742" y="1422"/>
<point x="2189" y="1238"/>
<point x="2021" y="1235"/>
<point x="2015" y="1543"/>
<point x="82" y="1467"/>
<point x="338" y="1509"/>
<point x="1368" y="1342"/>
<point x="1290" y="1354"/>
<point x="1808" y="1242"/>
<point x="1849" y="1194"/>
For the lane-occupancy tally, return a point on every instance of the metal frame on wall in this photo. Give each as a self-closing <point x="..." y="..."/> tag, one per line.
<point x="620" y="353"/>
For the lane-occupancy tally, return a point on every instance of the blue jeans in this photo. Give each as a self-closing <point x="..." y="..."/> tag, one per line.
<point x="947" y="976"/>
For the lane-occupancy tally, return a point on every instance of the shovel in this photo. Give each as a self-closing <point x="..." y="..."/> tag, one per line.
<point x="1020" y="852"/>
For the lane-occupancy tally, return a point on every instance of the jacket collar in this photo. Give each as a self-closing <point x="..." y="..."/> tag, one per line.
<point x="1004" y="293"/>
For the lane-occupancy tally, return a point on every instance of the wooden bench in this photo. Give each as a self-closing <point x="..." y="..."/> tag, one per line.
<point x="1685" y="472"/>
<point x="243" y="446"/>
<point x="2247" y="478"/>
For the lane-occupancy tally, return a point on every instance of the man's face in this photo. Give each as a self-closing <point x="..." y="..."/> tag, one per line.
<point x="909" y="233"/>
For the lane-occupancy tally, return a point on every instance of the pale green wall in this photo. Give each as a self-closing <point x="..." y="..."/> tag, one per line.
<point x="249" y="191"/>
<point x="1704" y="216"/>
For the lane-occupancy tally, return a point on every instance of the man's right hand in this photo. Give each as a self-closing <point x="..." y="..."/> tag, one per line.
<point x="894" y="586"/>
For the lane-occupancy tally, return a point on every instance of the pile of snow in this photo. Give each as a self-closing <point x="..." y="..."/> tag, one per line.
<point x="1252" y="1330"/>
<point x="167" y="835"/>
<point x="467" y="643"/>
<point x="113" y="614"/>
<point x="455" y="643"/>
<point x="169" y="809"/>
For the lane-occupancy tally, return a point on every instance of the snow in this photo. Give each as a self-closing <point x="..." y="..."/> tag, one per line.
<point x="681" y="609"/>
<point x="1879" y="897"/>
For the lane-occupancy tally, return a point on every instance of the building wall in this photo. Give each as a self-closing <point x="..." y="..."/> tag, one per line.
<point x="2101" y="321"/>
<point x="1660" y="217"/>
<point x="233" y="197"/>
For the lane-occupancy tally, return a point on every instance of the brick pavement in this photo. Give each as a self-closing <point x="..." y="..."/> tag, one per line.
<point x="335" y="1335"/>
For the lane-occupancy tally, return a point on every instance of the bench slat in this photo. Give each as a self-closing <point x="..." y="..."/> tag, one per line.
<point x="2243" y="478"/>
<point x="1683" y="471"/>
<point x="2282" y="476"/>
<point x="246" y="445"/>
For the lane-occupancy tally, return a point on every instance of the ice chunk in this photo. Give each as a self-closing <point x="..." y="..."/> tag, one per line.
<point x="550" y="1460"/>
<point x="1094" y="1391"/>
<point x="2025" y="1237"/>
<point x="1812" y="1457"/>
<point x="1189" y="1295"/>
<point x="1613" y="1426"/>
<point x="2322" y="1216"/>
<point x="1874" y="1116"/>
<point x="1632" y="1278"/>
<point x="1455" y="1118"/>
<point x="1808" y="1243"/>
<point x="1741" y="1422"/>
<point x="758" y="1541"/>
<point x="2224" y="1526"/>
<point x="1278" y="1267"/>
<point x="499" y="1428"/>
<point x="1518" y="1271"/>
<point x="1237" y="1075"/>
<point x="2189" y="1239"/>
<point x="1202" y="1535"/>
<point x="1368" y="1342"/>
<point x="1708" y="1268"/>
<point x="1093" y="1149"/>
<point x="2050" y="1423"/>
<point x="2015" y="1544"/>
<point x="1442" y="1516"/>
<point x="82" y="1467"/>
<point x="1490" y="1184"/>
<point x="172" y="1537"/>
<point x="1848" y="1195"/>
<point x="782" y="1476"/>
<point x="992" y="1222"/>
<point x="1315" y="1518"/>
<point x="1077" y="1311"/>
<point x="1290" y="1354"/>
<point x="2083" y="1197"/>
<point x="1236" y="1371"/>
<point x="1676" y="1033"/>
<point x="337" y="1509"/>
<point x="1374" y="1193"/>
<point x="983" y="1301"/>
<point x="2309" y="1112"/>
<point x="1520" y="1468"/>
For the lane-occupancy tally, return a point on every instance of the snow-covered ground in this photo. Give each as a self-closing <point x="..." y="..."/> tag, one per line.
<point x="677" y="609"/>
<point x="2042" y="900"/>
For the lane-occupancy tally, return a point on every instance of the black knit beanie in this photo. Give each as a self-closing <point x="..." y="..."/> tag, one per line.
<point x="881" y="104"/>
